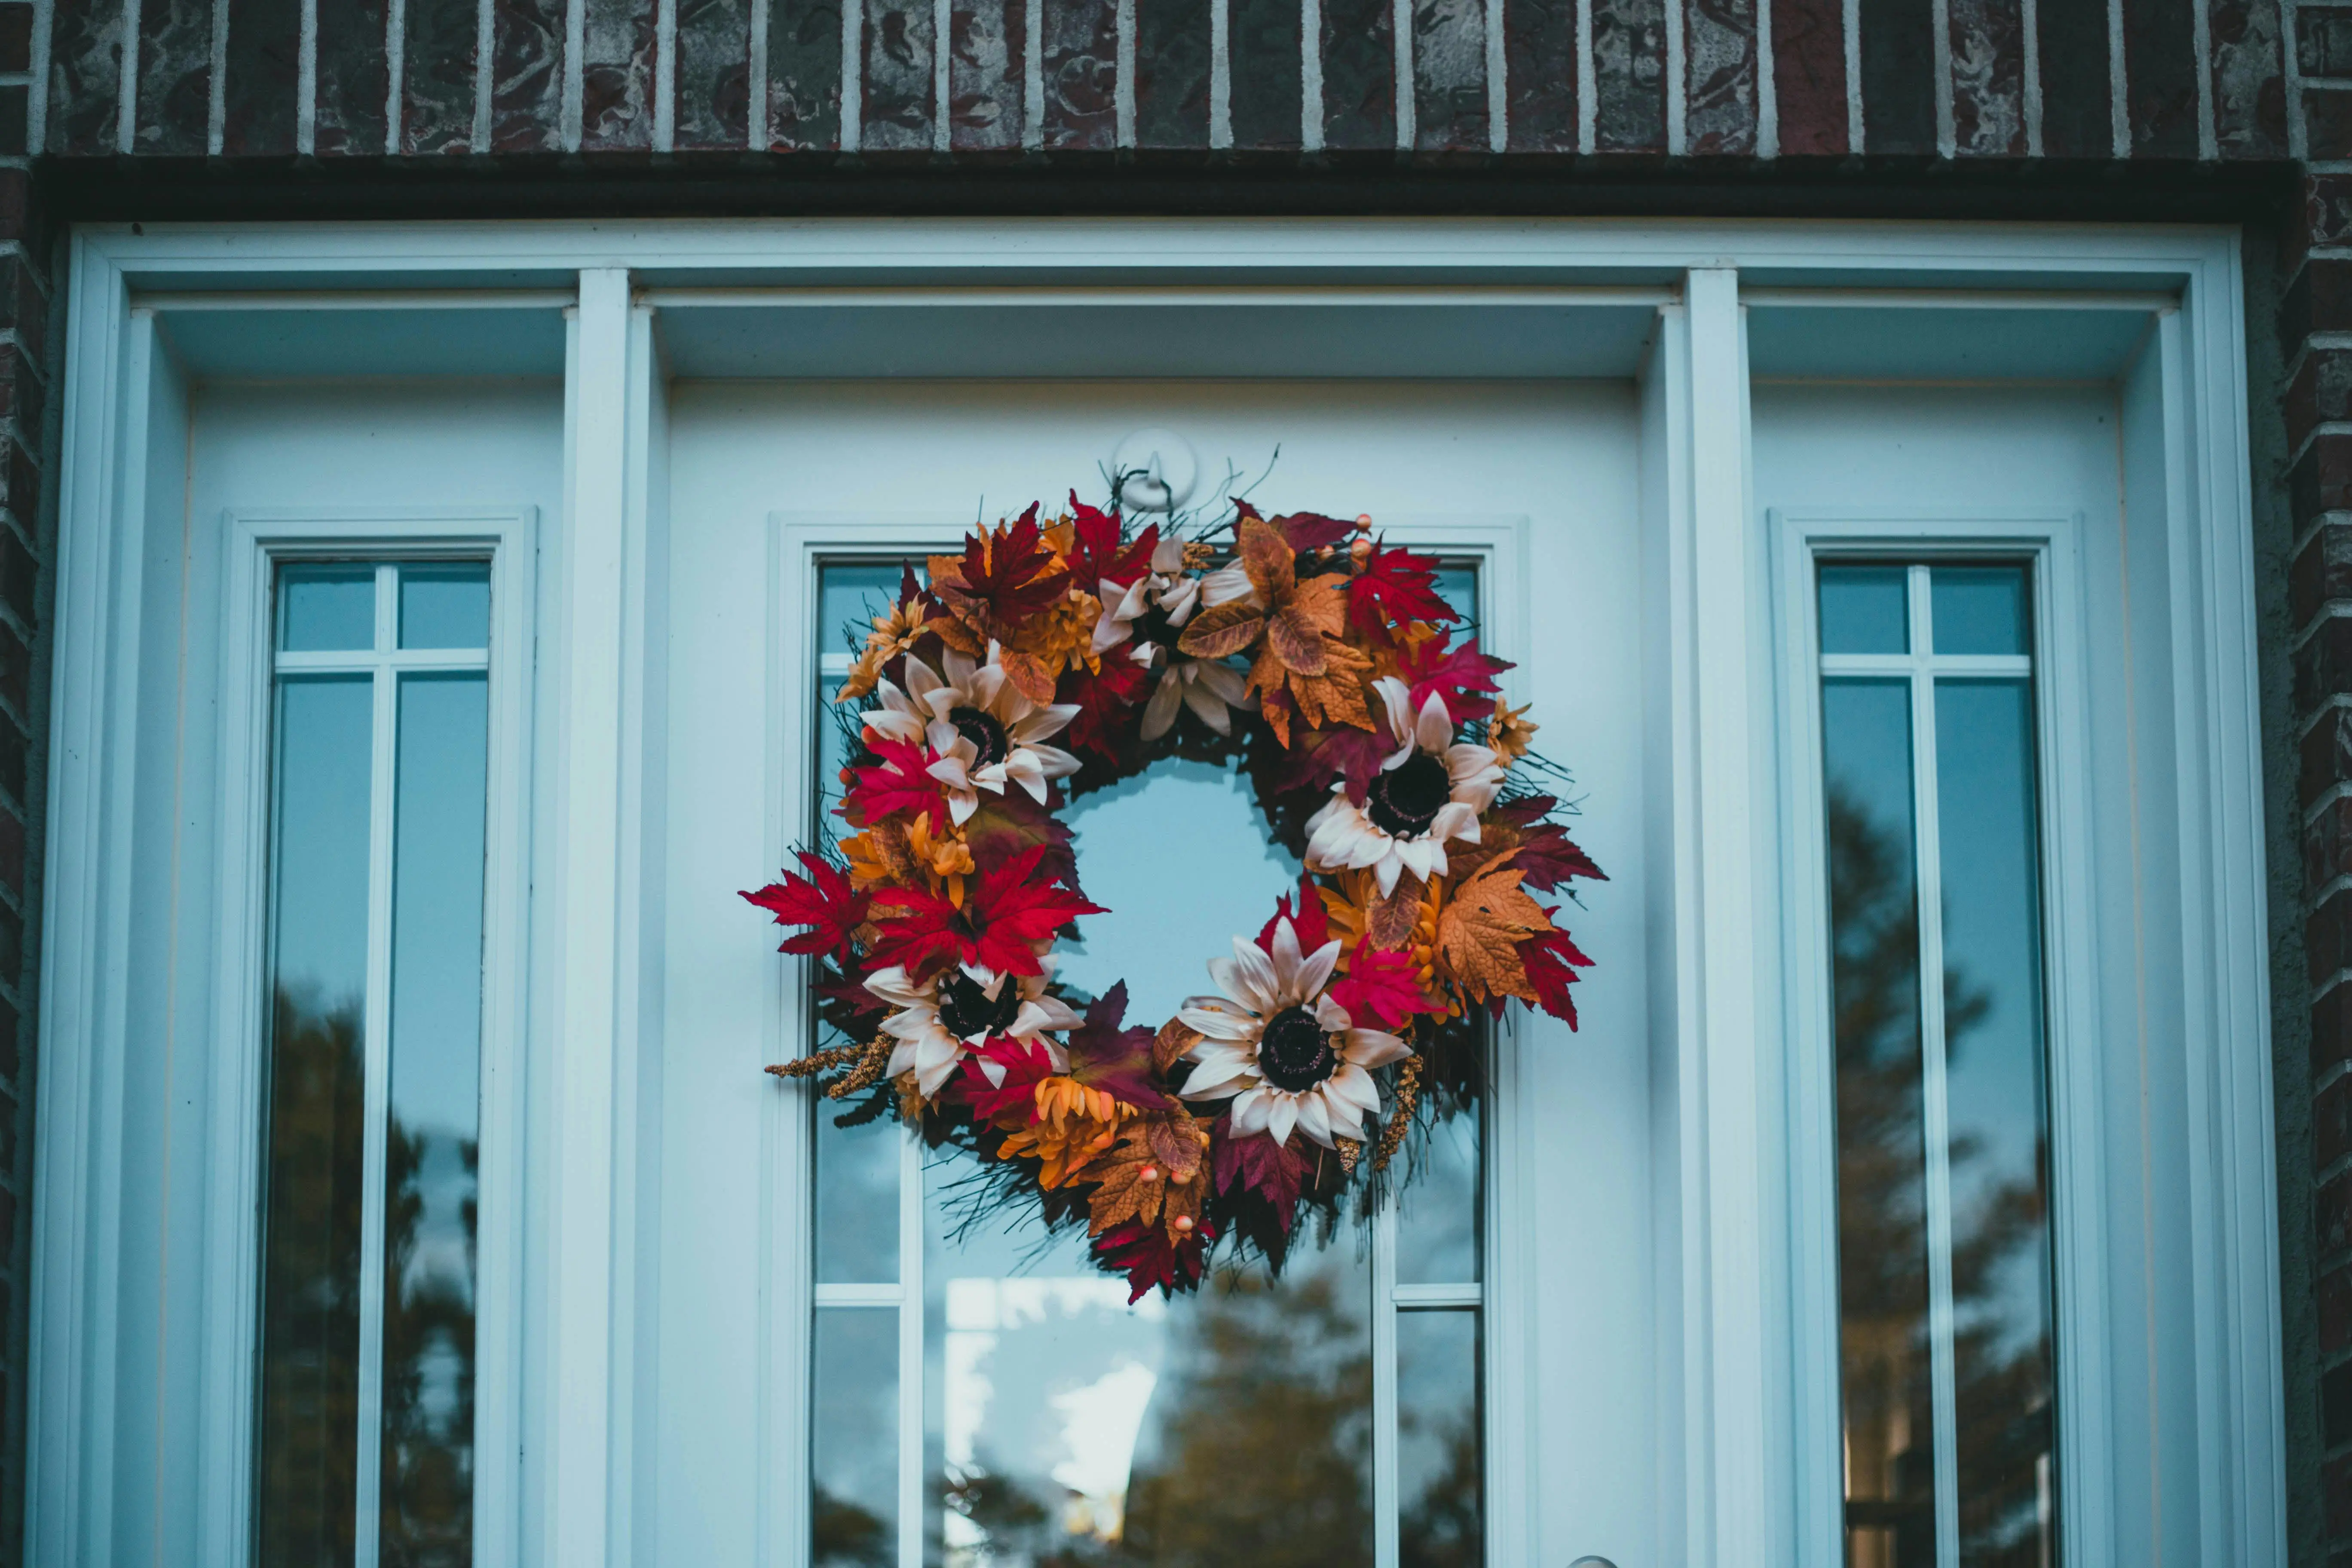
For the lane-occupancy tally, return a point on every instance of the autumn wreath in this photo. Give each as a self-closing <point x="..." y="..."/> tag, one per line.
<point x="1326" y="666"/>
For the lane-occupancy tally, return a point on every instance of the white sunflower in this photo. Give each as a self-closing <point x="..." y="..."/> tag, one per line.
<point x="1166" y="589"/>
<point x="1283" y="1051"/>
<point x="1431" y="790"/>
<point x="940" y="1020"/>
<point x="984" y="731"/>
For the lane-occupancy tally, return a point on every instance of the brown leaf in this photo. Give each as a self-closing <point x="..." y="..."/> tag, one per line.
<point x="1269" y="560"/>
<point x="1296" y="642"/>
<point x="1156" y="1157"/>
<point x="1175" y="1038"/>
<point x="1225" y="629"/>
<point x="1029" y="675"/>
<point x="1480" y="930"/>
<point x="1390" y="923"/>
<point x="1324" y="602"/>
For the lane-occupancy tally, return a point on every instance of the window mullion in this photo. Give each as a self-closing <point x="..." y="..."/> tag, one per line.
<point x="377" y="1079"/>
<point x="1935" y="1108"/>
<point x="1385" y="1387"/>
<point x="910" y="1350"/>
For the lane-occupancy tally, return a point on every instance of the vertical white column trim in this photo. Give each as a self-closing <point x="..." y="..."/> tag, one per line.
<point x="1220" y="74"/>
<point x="1408" y="106"/>
<point x="1724" y="1206"/>
<point x="126" y="81"/>
<point x="306" y="82"/>
<point x="586" y="1361"/>
<point x="1123" y="91"/>
<point x="911" y="1301"/>
<point x="1310" y="75"/>
<point x="1384" y="1385"/>
<point x="375" y="1075"/>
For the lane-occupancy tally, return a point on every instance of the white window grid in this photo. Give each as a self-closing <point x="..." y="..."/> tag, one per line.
<point x="1920" y="669"/>
<point x="384" y="663"/>
<point x="1389" y="1297"/>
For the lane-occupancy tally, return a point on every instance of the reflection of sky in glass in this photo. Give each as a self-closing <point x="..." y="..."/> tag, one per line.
<point x="852" y="1437"/>
<point x="326" y="732"/>
<point x="445" y="605"/>
<point x="1438" y="1212"/>
<point x="326" y="607"/>
<point x="1863" y="610"/>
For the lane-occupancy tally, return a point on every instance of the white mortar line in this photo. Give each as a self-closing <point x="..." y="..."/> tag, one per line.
<point x="942" y="90"/>
<point x="2200" y="27"/>
<point x="853" y="76"/>
<point x="1677" y="83"/>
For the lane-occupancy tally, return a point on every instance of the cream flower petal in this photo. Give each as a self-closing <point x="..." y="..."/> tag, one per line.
<point x="1256" y="971"/>
<point x="1053" y="761"/>
<point x="1287" y="961"/>
<point x="1332" y="1018"/>
<point x="1225" y="682"/>
<point x="1216" y="1079"/>
<point x="1160" y="712"/>
<point x="1372" y="1047"/>
<point x="1042" y="724"/>
<point x="1227" y="586"/>
<point x="1252" y="1109"/>
<point x="897" y="717"/>
<point x="894" y="985"/>
<point x="1354" y="1085"/>
<point x="1454" y="819"/>
<point x="935" y="1060"/>
<point x="1434" y="729"/>
<point x="1315" y="1118"/>
<point x="1218" y="1019"/>
<point x="902" y="1060"/>
<point x="1205" y="703"/>
<point x="921" y="681"/>
<point x="1315" y="973"/>
<point x="1346" y="1120"/>
<point x="1282" y="1117"/>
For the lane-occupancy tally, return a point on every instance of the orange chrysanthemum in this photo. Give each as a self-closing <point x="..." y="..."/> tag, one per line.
<point x="1073" y="1124"/>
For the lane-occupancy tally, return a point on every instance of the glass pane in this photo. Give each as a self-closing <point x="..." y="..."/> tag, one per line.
<point x="432" y="1142"/>
<point x="1998" y="1118"/>
<point x="1458" y="586"/>
<point x="850" y="595"/>
<point x="326" y="608"/>
<point x="1862" y="610"/>
<point x="854" y="1450"/>
<point x="309" y="1414"/>
<point x="1162" y="930"/>
<point x="856" y="1197"/>
<point x="1978" y="609"/>
<point x="1064" y="1426"/>
<point x="1882" y="1200"/>
<point x="1437" y="1211"/>
<point x="1440" y="1501"/>
<point x="446" y="606"/>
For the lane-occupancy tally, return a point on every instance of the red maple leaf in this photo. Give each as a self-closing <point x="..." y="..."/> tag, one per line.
<point x="1025" y="1066"/>
<point x="1104" y="700"/>
<point x="1103" y="1056"/>
<point x="1145" y="1255"/>
<point x="1461" y="675"/>
<point x="1006" y="913"/>
<point x="1548" y="956"/>
<point x="1097" y="556"/>
<point x="1008" y="573"/>
<point x="1275" y="1171"/>
<point x="1396" y="587"/>
<point x="1306" y="532"/>
<point x="823" y="900"/>
<point x="899" y="783"/>
<point x="1308" y="919"/>
<point x="1546" y="853"/>
<point x="1381" y="985"/>
<point x="1315" y="757"/>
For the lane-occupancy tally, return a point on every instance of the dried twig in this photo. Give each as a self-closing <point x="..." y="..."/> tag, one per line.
<point x="822" y="1061"/>
<point x="1350" y="1151"/>
<point x="875" y="1057"/>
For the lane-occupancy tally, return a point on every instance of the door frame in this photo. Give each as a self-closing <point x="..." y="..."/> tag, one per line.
<point x="616" y="309"/>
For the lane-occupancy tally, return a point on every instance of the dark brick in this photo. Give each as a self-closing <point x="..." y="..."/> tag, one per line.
<point x="20" y="485"/>
<point x="897" y="76"/>
<point x="2318" y="300"/>
<point x="714" y="75"/>
<point x="1987" y="51"/>
<point x="1809" y="77"/>
<point x="2335" y="1405"/>
<point x="2076" y="120"/>
<point x="1172" y="73"/>
<point x="2323" y="41"/>
<point x="85" y="75"/>
<point x="2336" y="1489"/>
<point x="2249" y="79"/>
<point x="2328" y="844"/>
<point x="804" y="74"/>
<point x="2320" y="394"/>
<point x="354" y="77"/>
<point x="1079" y="43"/>
<point x="15" y="754"/>
<point x="2328" y="121"/>
<point x="1629" y="76"/>
<point x="13" y="102"/>
<point x="1898" y="92"/>
<point x="526" y="75"/>
<point x="2331" y="1124"/>
<point x="2160" y="77"/>
<point x="2321" y="479"/>
<point x="2331" y="1030"/>
<point x="19" y="575"/>
<point x="987" y="89"/>
<point x="2327" y="934"/>
<point x="2332" y="1213"/>
<point x="260" y="72"/>
<point x="15" y="36"/>
<point x="2335" y="1311"/>
<point x="2323" y="571"/>
<point x="1449" y="76"/>
<point x="1720" y="72"/>
<point x="10" y="1027"/>
<point x="16" y="669"/>
<point x="1358" y="52"/>
<point x="175" y="77"/>
<point x="1263" y="47"/>
<point x="1539" y="75"/>
<point x="23" y="306"/>
<point x="12" y="854"/>
<point x="618" y="60"/>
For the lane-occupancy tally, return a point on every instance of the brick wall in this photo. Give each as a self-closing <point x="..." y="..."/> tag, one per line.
<point x="2184" y="106"/>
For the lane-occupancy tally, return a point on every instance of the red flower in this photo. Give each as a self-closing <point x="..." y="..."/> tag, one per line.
<point x="1546" y="853"/>
<point x="1145" y="1255"/>
<point x="1395" y="587"/>
<point x="898" y="784"/>
<point x="1310" y="920"/>
<point x="1461" y="675"/>
<point x="823" y="900"/>
<point x="1275" y="1171"/>
<point x="1383" y="985"/>
<point x="1006" y="912"/>
<point x="1548" y="956"/>
<point x="1097" y="556"/>
<point x="1007" y="575"/>
<point x="1104" y="701"/>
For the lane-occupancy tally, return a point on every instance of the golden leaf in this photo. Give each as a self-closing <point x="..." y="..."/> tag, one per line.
<point x="1296" y="642"/>
<point x="1479" y="931"/>
<point x="1223" y="631"/>
<point x="1175" y="1038"/>
<point x="1154" y="1173"/>
<point x="1324" y="602"/>
<point x="1390" y="923"/>
<point x="1267" y="558"/>
<point x="1029" y="674"/>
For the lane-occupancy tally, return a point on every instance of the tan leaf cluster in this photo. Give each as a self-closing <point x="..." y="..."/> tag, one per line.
<point x="1480" y="928"/>
<point x="893" y="635"/>
<point x="1061" y="639"/>
<point x="896" y="851"/>
<point x="1073" y="1127"/>
<point x="1156" y="1173"/>
<point x="1510" y="732"/>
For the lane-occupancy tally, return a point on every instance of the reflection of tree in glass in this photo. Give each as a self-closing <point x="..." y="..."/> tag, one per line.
<point x="428" y="1350"/>
<point x="844" y="1536"/>
<point x="1444" y="1527"/>
<point x="1883" y="1243"/>
<point x="309" y="1412"/>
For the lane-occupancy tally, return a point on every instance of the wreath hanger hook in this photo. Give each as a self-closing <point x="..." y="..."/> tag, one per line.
<point x="1154" y="470"/>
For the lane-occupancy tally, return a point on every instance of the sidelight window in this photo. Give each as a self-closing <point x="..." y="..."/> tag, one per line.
<point x="983" y="1395"/>
<point x="380" y="759"/>
<point x="1931" y="791"/>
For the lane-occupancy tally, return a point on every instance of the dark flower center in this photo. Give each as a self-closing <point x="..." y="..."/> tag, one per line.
<point x="967" y="1008"/>
<point x="1406" y="799"/>
<point x="986" y="735"/>
<point x="1294" y="1052"/>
